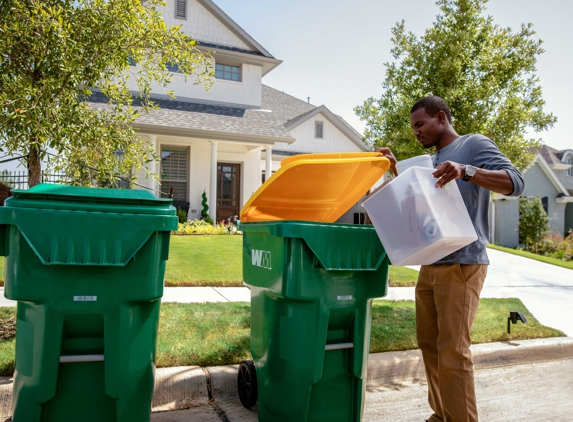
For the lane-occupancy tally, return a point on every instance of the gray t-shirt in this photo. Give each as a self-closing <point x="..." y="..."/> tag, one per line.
<point x="478" y="151"/>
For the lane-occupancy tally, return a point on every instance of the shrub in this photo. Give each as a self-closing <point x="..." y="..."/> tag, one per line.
<point x="204" y="212"/>
<point x="555" y="246"/>
<point x="182" y="215"/>
<point x="533" y="222"/>
<point x="203" y="227"/>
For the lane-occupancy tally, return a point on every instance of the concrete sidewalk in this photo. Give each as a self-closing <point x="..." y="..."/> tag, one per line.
<point x="210" y="394"/>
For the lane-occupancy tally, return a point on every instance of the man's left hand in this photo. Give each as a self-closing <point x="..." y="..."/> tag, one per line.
<point x="448" y="171"/>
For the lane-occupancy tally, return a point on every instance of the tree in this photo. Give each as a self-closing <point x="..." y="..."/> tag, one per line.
<point x="533" y="222"/>
<point x="485" y="73"/>
<point x="55" y="53"/>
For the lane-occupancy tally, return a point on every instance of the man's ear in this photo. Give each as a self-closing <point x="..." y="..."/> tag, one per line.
<point x="442" y="116"/>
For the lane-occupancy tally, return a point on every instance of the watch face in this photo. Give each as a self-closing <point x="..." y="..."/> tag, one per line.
<point x="469" y="172"/>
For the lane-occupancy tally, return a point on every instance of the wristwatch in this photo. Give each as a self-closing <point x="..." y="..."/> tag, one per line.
<point x="469" y="172"/>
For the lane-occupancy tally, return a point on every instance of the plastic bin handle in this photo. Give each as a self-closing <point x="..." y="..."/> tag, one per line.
<point x="81" y="358"/>
<point x="339" y="346"/>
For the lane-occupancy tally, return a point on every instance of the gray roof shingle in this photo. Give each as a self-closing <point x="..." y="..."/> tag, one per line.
<point x="188" y="115"/>
<point x="278" y="110"/>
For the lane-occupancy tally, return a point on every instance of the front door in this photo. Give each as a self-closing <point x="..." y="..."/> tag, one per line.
<point x="228" y="190"/>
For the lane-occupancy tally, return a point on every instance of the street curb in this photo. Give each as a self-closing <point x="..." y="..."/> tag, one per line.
<point x="396" y="367"/>
<point x="190" y="386"/>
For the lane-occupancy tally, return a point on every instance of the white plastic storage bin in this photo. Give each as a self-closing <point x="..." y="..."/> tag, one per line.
<point x="418" y="223"/>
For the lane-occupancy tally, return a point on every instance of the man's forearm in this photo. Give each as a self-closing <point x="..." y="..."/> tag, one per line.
<point x="495" y="180"/>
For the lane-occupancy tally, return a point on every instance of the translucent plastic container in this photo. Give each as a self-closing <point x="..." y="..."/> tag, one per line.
<point x="418" y="223"/>
<point x="418" y="161"/>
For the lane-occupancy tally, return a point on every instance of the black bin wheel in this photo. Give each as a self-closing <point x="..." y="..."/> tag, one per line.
<point x="247" y="384"/>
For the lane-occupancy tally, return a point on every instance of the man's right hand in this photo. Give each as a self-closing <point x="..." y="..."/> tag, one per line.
<point x="388" y="154"/>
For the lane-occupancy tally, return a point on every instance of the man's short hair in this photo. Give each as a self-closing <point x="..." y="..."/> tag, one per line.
<point x="433" y="105"/>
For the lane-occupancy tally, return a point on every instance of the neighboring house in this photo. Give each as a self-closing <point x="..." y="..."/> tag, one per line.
<point x="227" y="140"/>
<point x="550" y="178"/>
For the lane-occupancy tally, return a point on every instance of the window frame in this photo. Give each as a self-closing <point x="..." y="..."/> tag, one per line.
<point x="187" y="181"/>
<point x="239" y="72"/>
<point x="569" y="171"/>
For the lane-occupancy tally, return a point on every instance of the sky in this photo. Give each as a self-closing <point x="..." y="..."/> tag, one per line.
<point x="334" y="51"/>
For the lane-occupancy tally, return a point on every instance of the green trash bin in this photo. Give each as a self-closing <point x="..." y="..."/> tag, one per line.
<point x="86" y="266"/>
<point x="312" y="285"/>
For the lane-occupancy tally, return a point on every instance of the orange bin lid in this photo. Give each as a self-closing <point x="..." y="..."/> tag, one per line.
<point x="315" y="187"/>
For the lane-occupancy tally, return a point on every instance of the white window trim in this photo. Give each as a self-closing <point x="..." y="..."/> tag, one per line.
<point x="316" y="123"/>
<point x="240" y="66"/>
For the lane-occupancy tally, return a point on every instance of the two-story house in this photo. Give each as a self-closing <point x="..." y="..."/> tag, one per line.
<point x="225" y="141"/>
<point x="550" y="178"/>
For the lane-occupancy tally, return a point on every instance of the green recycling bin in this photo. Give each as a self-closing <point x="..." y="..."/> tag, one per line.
<point x="86" y="266"/>
<point x="312" y="285"/>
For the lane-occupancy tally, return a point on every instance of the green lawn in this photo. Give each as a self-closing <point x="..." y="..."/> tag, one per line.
<point x="531" y="255"/>
<point x="211" y="334"/>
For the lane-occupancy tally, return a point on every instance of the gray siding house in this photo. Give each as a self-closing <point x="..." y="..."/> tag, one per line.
<point x="550" y="178"/>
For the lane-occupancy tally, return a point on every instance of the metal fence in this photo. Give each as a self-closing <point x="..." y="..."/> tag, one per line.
<point x="19" y="179"/>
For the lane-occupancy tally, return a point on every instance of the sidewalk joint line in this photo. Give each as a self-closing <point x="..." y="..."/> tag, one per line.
<point x="220" y="294"/>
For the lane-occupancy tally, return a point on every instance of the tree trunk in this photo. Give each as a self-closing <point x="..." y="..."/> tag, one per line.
<point x="34" y="167"/>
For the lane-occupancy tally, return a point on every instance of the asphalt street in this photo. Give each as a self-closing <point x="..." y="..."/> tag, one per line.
<point x="531" y="392"/>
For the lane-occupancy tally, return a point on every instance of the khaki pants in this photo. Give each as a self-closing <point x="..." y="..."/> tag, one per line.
<point x="447" y="298"/>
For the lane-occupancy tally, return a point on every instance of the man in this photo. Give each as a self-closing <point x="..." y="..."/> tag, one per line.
<point x="447" y="292"/>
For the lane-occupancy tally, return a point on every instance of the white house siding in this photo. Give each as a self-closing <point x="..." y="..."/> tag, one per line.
<point x="202" y="25"/>
<point x="246" y="93"/>
<point x="333" y="140"/>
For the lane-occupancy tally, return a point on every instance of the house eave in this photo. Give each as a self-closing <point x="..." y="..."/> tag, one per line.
<point x="267" y="63"/>
<point x="245" y="138"/>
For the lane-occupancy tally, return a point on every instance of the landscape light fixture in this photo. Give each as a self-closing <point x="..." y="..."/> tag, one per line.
<point x="514" y="316"/>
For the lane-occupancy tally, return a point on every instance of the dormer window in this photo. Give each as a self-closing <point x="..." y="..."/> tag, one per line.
<point x="318" y="129"/>
<point x="181" y="9"/>
<point x="230" y="73"/>
<point x="570" y="169"/>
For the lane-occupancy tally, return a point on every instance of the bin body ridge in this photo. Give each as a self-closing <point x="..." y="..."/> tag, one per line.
<point x="312" y="285"/>
<point x="88" y="286"/>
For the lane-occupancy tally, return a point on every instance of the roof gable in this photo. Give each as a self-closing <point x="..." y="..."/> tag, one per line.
<point x="340" y="124"/>
<point x="248" y="41"/>
<point x="540" y="160"/>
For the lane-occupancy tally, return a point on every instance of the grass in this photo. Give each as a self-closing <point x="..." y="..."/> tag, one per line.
<point x="211" y="334"/>
<point x="402" y="277"/>
<point x="205" y="261"/>
<point x="531" y="255"/>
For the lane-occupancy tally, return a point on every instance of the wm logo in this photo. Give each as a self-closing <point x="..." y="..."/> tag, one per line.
<point x="262" y="259"/>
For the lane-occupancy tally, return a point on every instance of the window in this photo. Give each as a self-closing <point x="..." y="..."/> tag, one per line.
<point x="172" y="67"/>
<point x="174" y="170"/>
<point x="132" y="61"/>
<point x="181" y="9"/>
<point x="318" y="129"/>
<point x="570" y="169"/>
<point x="230" y="73"/>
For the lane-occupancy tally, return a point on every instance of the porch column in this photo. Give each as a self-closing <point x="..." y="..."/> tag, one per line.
<point x="154" y="166"/>
<point x="268" y="162"/>
<point x="213" y="183"/>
